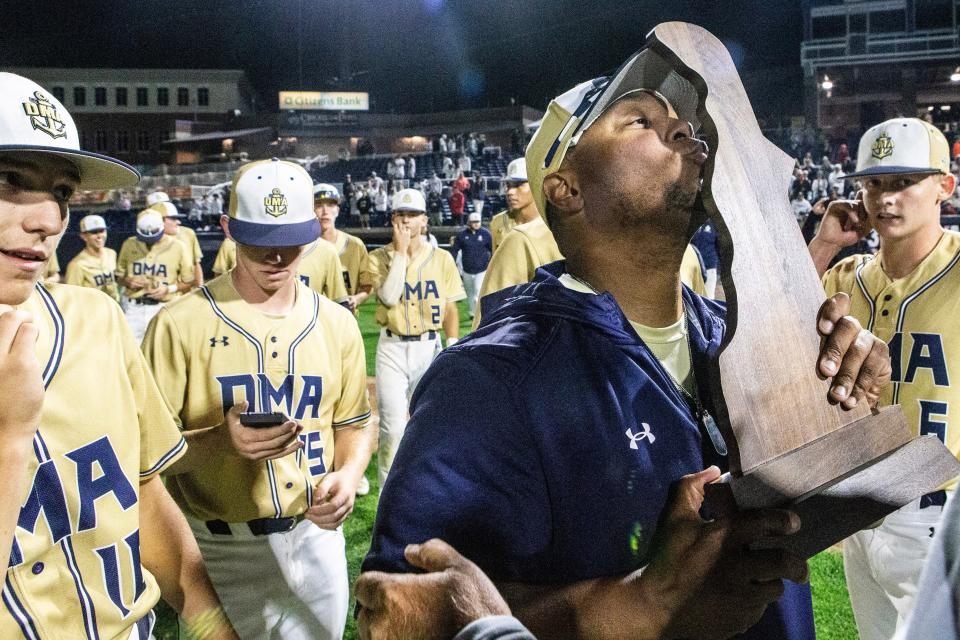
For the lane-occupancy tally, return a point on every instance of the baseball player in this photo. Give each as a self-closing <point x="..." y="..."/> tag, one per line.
<point x="350" y="249"/>
<point x="172" y="227"/>
<point x="417" y="290"/>
<point x="909" y="295"/>
<point x="226" y="257"/>
<point x="153" y="269"/>
<point x="473" y="245"/>
<point x="96" y="264"/>
<point x="520" y="205"/>
<point x="91" y="534"/>
<point x="321" y="270"/>
<point x="266" y="504"/>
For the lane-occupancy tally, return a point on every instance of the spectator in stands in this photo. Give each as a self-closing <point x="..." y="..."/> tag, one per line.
<point x="707" y="243"/>
<point x="364" y="205"/>
<point x="443" y="146"/>
<point x="475" y="244"/>
<point x="374" y="182"/>
<point x="399" y="172"/>
<point x="820" y="187"/>
<point x="472" y="145"/>
<point x="807" y="163"/>
<point x="464" y="163"/>
<point x="843" y="153"/>
<point x="216" y="207"/>
<point x="476" y="191"/>
<point x="457" y="203"/>
<point x="380" y="205"/>
<point x="461" y="183"/>
<point x="412" y="168"/>
<point x="436" y="184"/>
<point x="391" y="170"/>
<point x="801" y="206"/>
<point x="434" y="208"/>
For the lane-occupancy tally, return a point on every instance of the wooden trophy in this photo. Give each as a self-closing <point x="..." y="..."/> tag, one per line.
<point x="839" y="470"/>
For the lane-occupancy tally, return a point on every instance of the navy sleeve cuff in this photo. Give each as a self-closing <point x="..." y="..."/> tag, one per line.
<point x="495" y="628"/>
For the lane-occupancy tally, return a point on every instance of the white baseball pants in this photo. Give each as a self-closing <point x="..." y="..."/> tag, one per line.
<point x="883" y="566"/>
<point x="472" y="283"/>
<point x="399" y="365"/>
<point x="139" y="316"/>
<point x="289" y="585"/>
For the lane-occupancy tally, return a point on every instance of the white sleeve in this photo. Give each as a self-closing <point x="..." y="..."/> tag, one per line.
<point x="392" y="288"/>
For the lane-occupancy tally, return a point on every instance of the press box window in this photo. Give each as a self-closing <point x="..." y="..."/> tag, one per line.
<point x="79" y="96"/>
<point x="163" y="96"/>
<point x="183" y="97"/>
<point x="142" y="100"/>
<point x="203" y="97"/>
<point x="58" y="93"/>
<point x="100" y="96"/>
<point x="121" y="96"/>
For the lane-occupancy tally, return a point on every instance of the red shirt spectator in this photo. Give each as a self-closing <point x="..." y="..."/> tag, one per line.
<point x="457" y="202"/>
<point x="956" y="148"/>
<point x="461" y="183"/>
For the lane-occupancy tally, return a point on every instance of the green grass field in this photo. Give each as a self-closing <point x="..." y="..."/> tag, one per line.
<point x="831" y="604"/>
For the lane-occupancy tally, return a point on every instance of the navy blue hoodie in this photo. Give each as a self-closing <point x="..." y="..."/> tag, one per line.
<point x="543" y="445"/>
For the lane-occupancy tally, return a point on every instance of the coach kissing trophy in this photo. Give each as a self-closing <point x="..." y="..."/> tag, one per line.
<point x="838" y="470"/>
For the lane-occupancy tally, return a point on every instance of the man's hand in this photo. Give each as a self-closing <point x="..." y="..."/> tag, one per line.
<point x="333" y="500"/>
<point x="845" y="222"/>
<point x="261" y="444"/>
<point x="20" y="377"/>
<point x="857" y="360"/>
<point x="159" y="292"/>
<point x="703" y="581"/>
<point x="433" y="605"/>
<point x="351" y="303"/>
<point x="135" y="283"/>
<point x="401" y="235"/>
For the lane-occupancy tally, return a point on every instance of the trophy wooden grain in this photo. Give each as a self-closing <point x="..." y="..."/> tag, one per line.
<point x="839" y="470"/>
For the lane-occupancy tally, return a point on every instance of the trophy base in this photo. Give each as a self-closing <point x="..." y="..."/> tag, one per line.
<point x="846" y="481"/>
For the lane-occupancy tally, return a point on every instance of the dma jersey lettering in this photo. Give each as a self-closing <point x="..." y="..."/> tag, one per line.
<point x="97" y="473"/>
<point x="145" y="269"/>
<point x="101" y="279"/>
<point x="926" y="352"/>
<point x="285" y="397"/>
<point x="422" y="290"/>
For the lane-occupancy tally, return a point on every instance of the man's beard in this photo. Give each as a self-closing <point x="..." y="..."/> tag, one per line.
<point x="677" y="208"/>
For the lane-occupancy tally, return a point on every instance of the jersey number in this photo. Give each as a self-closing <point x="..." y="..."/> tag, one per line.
<point x="313" y="449"/>
<point x="435" y="314"/>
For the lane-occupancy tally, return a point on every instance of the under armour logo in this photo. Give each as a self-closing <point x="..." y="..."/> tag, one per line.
<point x="224" y="341"/>
<point x="637" y="437"/>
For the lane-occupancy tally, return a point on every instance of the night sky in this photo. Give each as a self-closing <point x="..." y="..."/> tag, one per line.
<point x="411" y="55"/>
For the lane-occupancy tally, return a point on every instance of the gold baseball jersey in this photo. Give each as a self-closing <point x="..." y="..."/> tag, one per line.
<point x="355" y="260"/>
<point x="531" y="245"/>
<point x="320" y="269"/>
<point x="500" y="225"/>
<point x="96" y="272"/>
<point x="188" y="237"/>
<point x="916" y="316"/>
<point x="226" y="258"/>
<point x="432" y="280"/>
<point x="210" y="350"/>
<point x="165" y="262"/>
<point x="75" y="568"/>
<point x="53" y="266"/>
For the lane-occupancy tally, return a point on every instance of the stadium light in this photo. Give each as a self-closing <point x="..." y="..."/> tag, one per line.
<point x="945" y="107"/>
<point x="955" y="76"/>
<point x="827" y="83"/>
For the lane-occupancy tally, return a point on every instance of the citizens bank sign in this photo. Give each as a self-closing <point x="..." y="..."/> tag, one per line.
<point x="324" y="100"/>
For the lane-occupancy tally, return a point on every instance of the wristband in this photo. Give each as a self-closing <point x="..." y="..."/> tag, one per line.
<point x="171" y="289"/>
<point x="451" y="341"/>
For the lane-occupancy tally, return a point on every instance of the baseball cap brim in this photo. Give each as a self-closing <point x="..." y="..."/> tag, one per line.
<point x="96" y="171"/>
<point x="890" y="170"/>
<point x="255" y="234"/>
<point x="94" y="230"/>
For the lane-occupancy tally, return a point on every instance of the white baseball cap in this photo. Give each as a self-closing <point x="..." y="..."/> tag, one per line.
<point x="92" y="224"/>
<point x="474" y="217"/>
<point x="271" y="205"/>
<point x="149" y="225"/>
<point x="572" y="113"/>
<point x="902" y="145"/>
<point x="517" y="171"/>
<point x="409" y="200"/>
<point x="32" y="120"/>
<point x="166" y="209"/>
<point x="324" y="191"/>
<point x="157" y="196"/>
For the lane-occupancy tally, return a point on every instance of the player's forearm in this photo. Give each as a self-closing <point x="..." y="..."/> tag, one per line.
<point x="598" y="609"/>
<point x="170" y="552"/>
<point x="392" y="288"/>
<point x="362" y="294"/>
<point x="352" y="450"/>
<point x="451" y="321"/>
<point x="822" y="253"/>
<point x="14" y="484"/>
<point x="202" y="446"/>
<point x="197" y="275"/>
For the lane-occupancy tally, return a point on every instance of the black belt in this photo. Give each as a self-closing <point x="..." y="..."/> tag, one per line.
<point x="258" y="527"/>
<point x="144" y="301"/>
<point x="935" y="499"/>
<point x="431" y="335"/>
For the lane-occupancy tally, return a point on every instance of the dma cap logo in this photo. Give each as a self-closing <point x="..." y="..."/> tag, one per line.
<point x="43" y="116"/>
<point x="275" y="204"/>
<point x="882" y="147"/>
